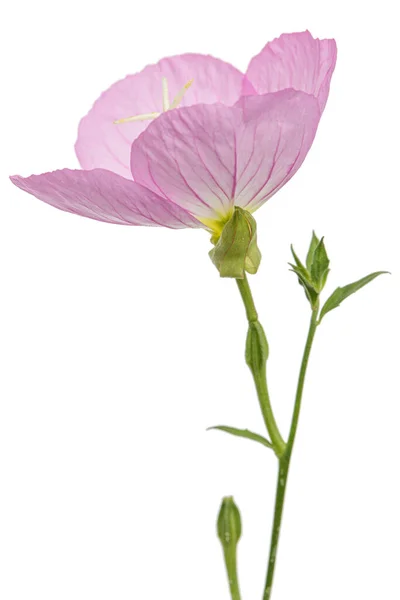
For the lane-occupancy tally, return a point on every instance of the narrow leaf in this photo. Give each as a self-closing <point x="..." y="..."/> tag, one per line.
<point x="310" y="255"/>
<point x="341" y="293"/>
<point x="245" y="433"/>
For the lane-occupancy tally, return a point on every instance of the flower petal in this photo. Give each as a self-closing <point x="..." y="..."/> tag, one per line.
<point x="104" y="196"/>
<point x="102" y="144"/>
<point x="208" y="158"/>
<point x="279" y="129"/>
<point x="188" y="154"/>
<point x="295" y="60"/>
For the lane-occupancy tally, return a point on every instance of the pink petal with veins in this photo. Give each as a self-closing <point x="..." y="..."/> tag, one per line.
<point x="294" y="60"/>
<point x="208" y="158"/>
<point x="102" y="144"/>
<point x="188" y="154"/>
<point x="105" y="196"/>
<point x="279" y="129"/>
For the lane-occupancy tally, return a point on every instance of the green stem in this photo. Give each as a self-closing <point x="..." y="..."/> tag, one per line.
<point x="284" y="461"/>
<point x="231" y="569"/>
<point x="283" y="472"/>
<point x="260" y="374"/>
<point x="247" y="298"/>
<point x="278" y="443"/>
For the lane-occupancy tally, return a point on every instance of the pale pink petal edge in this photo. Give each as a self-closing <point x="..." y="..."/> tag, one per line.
<point x="105" y="196"/>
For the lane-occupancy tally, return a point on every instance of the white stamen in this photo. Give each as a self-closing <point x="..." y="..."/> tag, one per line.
<point x="178" y="98"/>
<point x="145" y="117"/>
<point x="165" y="102"/>
<point x="165" y="96"/>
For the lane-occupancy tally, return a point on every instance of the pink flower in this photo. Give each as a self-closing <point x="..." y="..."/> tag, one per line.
<point x="226" y="140"/>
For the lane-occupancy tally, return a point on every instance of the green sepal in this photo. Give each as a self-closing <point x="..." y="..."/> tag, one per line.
<point x="304" y="281"/>
<point x="341" y="293"/>
<point x="299" y="266"/>
<point x="304" y="278"/>
<point x="310" y="254"/>
<point x="253" y="258"/>
<point x="257" y="349"/>
<point x="244" y="433"/>
<point x="229" y="524"/>
<point x="319" y="268"/>
<point x="236" y="250"/>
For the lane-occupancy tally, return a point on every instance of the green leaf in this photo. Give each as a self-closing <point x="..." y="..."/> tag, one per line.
<point x="245" y="433"/>
<point x="341" y="293"/>
<point x="320" y="266"/>
<point x="236" y="250"/>
<point x="310" y="255"/>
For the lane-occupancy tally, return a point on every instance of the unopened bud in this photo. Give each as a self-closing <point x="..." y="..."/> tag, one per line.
<point x="313" y="275"/>
<point x="257" y="349"/>
<point x="229" y="526"/>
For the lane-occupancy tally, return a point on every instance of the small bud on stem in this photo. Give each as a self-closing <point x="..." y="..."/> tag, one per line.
<point x="229" y="529"/>
<point x="312" y="276"/>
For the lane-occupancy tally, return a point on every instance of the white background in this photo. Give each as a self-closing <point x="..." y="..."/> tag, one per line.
<point x="121" y="345"/>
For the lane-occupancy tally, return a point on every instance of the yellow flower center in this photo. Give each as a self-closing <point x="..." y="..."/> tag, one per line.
<point x="215" y="226"/>
<point x="165" y="103"/>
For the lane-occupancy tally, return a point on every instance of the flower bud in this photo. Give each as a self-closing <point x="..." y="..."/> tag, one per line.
<point x="313" y="275"/>
<point x="236" y="250"/>
<point x="229" y="526"/>
<point x="257" y="349"/>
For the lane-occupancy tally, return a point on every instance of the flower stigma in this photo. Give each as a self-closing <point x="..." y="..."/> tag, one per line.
<point x="165" y="104"/>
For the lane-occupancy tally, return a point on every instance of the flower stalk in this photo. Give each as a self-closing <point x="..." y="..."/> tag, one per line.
<point x="284" y="461"/>
<point x="312" y="277"/>
<point x="256" y="358"/>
